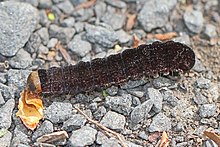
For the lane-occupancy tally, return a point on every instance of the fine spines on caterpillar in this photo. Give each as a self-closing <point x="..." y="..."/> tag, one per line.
<point x="145" y="60"/>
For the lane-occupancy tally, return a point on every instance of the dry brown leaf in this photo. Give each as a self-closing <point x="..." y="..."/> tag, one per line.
<point x="136" y="41"/>
<point x="166" y="36"/>
<point x="30" y="107"/>
<point x="85" y="5"/>
<point x="164" y="142"/>
<point x="51" y="55"/>
<point x="153" y="137"/>
<point x="213" y="136"/>
<point x="130" y="21"/>
<point x="64" y="52"/>
<point x="53" y="137"/>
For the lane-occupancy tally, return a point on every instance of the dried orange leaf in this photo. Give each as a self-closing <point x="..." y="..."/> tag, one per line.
<point x="164" y="142"/>
<point x="213" y="136"/>
<point x="166" y="36"/>
<point x="87" y="4"/>
<point x="30" y="107"/>
<point x="64" y="53"/>
<point x="131" y="21"/>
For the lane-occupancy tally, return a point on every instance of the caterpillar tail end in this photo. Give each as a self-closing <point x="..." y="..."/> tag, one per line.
<point x="30" y="107"/>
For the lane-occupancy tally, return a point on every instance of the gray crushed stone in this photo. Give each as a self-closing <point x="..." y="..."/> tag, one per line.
<point x="58" y="112"/>
<point x="160" y="123"/>
<point x="20" y="138"/>
<point x="203" y="83"/>
<point x="73" y="123"/>
<point x="152" y="15"/>
<point x="194" y="20"/>
<point x="207" y="110"/>
<point x="110" y="19"/>
<point x="162" y="82"/>
<point x="5" y="141"/>
<point x="83" y="136"/>
<point x="79" y="46"/>
<point x="121" y="104"/>
<point x="103" y="36"/>
<point x="113" y="120"/>
<point x="210" y="31"/>
<point x="21" y="60"/>
<point x="6" y="113"/>
<point x="63" y="34"/>
<point x="17" y="79"/>
<point x="45" y="128"/>
<point x="16" y="26"/>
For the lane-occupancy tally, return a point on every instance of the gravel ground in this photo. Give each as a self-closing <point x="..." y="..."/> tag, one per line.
<point x="139" y="110"/>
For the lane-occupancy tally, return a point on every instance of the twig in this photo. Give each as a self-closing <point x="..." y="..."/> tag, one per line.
<point x="117" y="135"/>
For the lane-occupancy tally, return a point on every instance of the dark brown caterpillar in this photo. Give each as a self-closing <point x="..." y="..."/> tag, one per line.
<point x="145" y="60"/>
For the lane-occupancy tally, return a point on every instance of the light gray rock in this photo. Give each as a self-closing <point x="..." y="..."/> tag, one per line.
<point x="155" y="96"/>
<point x="2" y="101"/>
<point x="210" y="31"/>
<point x="58" y="112"/>
<point x="194" y="20"/>
<point x="198" y="67"/>
<point x="6" y="113"/>
<point x="83" y="137"/>
<point x="66" y="6"/>
<point x="21" y="60"/>
<point x="200" y="98"/>
<point x="203" y="83"/>
<point x="33" y="43"/>
<point x="207" y="110"/>
<point x="73" y="123"/>
<point x="101" y="138"/>
<point x="43" y="17"/>
<point x="169" y="97"/>
<point x="111" y="142"/>
<point x="45" y="4"/>
<point x="45" y="128"/>
<point x="44" y="35"/>
<point x="52" y="42"/>
<point x="160" y="123"/>
<point x="110" y="19"/>
<point x="113" y="120"/>
<point x="79" y="26"/>
<point x="103" y="36"/>
<point x="100" y="9"/>
<point x="140" y="113"/>
<point x="63" y="34"/>
<point x="18" y="21"/>
<point x="79" y="47"/>
<point x="214" y="91"/>
<point x="117" y="3"/>
<point x="154" y="13"/>
<point x="162" y="82"/>
<point x="123" y="36"/>
<point x="7" y="92"/>
<point x="100" y="112"/>
<point x="113" y="90"/>
<point x="68" y="22"/>
<point x="17" y="79"/>
<point x="121" y="104"/>
<point x="5" y="141"/>
<point x="183" y="38"/>
<point x="19" y="138"/>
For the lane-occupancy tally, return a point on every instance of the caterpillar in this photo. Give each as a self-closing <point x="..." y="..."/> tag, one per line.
<point x="145" y="60"/>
